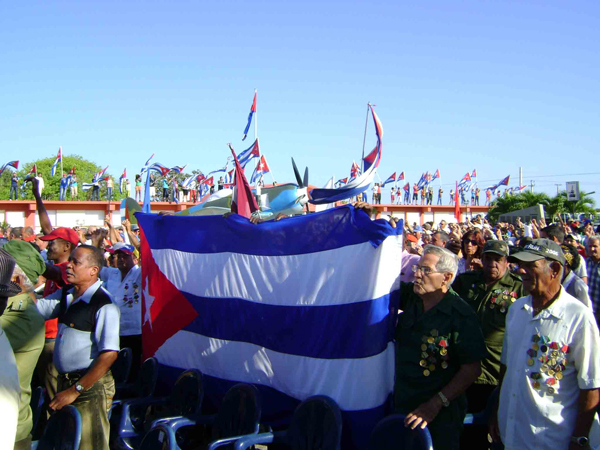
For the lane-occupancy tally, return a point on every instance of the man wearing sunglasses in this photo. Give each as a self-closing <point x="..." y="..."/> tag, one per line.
<point x="439" y="347"/>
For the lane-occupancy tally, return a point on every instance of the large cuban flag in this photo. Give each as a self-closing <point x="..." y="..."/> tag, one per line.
<point x="297" y="307"/>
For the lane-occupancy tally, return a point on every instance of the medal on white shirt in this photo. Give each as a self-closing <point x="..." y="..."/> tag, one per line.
<point x="553" y="361"/>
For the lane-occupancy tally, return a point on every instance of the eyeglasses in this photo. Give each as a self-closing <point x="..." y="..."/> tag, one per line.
<point x="424" y="270"/>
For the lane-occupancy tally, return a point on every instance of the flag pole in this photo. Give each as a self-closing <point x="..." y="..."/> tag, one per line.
<point x="364" y="140"/>
<point x="255" y="119"/>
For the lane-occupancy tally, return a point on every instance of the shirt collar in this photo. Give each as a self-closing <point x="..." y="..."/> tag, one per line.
<point x="556" y="309"/>
<point x="89" y="292"/>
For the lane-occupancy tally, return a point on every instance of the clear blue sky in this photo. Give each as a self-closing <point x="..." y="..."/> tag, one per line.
<point x="458" y="85"/>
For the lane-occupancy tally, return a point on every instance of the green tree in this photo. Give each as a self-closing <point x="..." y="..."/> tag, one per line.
<point x="585" y="204"/>
<point x="509" y="203"/>
<point x="84" y="169"/>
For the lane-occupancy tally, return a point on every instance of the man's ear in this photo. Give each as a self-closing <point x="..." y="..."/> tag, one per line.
<point x="556" y="268"/>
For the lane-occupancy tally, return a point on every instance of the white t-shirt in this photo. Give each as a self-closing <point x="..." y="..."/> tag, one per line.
<point x="538" y="416"/>
<point x="127" y="295"/>
<point x="10" y="393"/>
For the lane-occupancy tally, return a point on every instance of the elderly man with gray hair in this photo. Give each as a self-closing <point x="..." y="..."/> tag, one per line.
<point x="439" y="348"/>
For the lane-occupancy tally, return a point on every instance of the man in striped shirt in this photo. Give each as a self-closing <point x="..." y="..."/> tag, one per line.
<point x="593" y="270"/>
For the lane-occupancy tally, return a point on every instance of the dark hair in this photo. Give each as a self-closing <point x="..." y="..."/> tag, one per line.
<point x="555" y="231"/>
<point x="476" y="235"/>
<point x="444" y="237"/>
<point x="453" y="246"/>
<point x="95" y="256"/>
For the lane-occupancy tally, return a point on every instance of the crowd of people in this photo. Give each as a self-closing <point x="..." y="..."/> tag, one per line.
<point x="500" y="318"/>
<point x="493" y="317"/>
<point x="169" y="190"/>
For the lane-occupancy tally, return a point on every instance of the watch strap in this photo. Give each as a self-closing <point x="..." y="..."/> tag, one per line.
<point x="445" y="400"/>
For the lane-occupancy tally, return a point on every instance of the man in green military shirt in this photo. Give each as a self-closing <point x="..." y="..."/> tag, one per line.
<point x="490" y="292"/>
<point x="24" y="327"/>
<point x="439" y="347"/>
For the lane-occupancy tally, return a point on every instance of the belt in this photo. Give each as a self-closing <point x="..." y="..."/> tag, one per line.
<point x="73" y="375"/>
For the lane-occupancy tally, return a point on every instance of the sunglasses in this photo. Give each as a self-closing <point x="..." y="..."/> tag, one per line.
<point x="472" y="242"/>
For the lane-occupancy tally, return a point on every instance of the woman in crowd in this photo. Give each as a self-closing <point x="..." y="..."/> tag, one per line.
<point x="472" y="246"/>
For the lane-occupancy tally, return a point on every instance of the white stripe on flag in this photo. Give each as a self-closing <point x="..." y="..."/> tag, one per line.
<point x="296" y="376"/>
<point x="273" y="279"/>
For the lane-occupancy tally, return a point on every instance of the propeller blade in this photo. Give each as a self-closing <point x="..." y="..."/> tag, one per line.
<point x="305" y="183"/>
<point x="297" y="174"/>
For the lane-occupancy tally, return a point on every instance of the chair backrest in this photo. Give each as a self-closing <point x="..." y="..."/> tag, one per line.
<point x="158" y="438"/>
<point x="121" y="367"/>
<point x="188" y="393"/>
<point x="390" y="433"/>
<point x="63" y="430"/>
<point x="37" y="406"/>
<point x="316" y="425"/>
<point x="147" y="378"/>
<point x="239" y="413"/>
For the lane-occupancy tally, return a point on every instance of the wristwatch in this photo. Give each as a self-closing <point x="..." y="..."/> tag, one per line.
<point x="445" y="400"/>
<point x="582" y="441"/>
<point x="79" y="388"/>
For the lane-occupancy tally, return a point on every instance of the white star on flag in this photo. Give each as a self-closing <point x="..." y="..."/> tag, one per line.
<point x="148" y="300"/>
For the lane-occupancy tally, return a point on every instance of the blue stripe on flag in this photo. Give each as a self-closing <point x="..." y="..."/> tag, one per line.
<point x="338" y="227"/>
<point x="355" y="330"/>
<point x="278" y="408"/>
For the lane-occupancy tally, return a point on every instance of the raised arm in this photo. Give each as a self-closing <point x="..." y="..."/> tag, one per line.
<point x="41" y="209"/>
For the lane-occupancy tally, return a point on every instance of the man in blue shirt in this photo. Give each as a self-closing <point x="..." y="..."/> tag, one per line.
<point x="14" y="187"/>
<point x="86" y="344"/>
<point x="64" y="185"/>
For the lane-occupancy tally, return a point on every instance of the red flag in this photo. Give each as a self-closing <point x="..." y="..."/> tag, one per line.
<point x="401" y="177"/>
<point x="209" y="181"/>
<point x="243" y="201"/>
<point x="72" y="171"/>
<point x="457" y="213"/>
<point x="33" y="170"/>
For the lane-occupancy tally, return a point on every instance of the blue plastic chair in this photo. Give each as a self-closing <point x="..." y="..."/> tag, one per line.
<point x="37" y="403"/>
<point x="316" y="424"/>
<point x="143" y="386"/>
<point x="239" y="416"/>
<point x="159" y="438"/>
<point x="121" y="367"/>
<point x="391" y="434"/>
<point x="63" y="431"/>
<point x="134" y="421"/>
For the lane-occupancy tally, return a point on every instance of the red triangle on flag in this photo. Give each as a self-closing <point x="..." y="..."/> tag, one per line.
<point x="165" y="310"/>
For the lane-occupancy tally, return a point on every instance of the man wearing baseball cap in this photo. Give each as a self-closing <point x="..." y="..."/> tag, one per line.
<point x="61" y="242"/>
<point x="124" y="283"/>
<point x="550" y="372"/>
<point x="490" y="292"/>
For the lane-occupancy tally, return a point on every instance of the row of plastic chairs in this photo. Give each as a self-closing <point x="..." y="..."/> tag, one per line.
<point x="175" y="422"/>
<point x="315" y="424"/>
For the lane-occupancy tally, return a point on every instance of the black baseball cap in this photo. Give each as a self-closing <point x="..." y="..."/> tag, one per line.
<point x="539" y="249"/>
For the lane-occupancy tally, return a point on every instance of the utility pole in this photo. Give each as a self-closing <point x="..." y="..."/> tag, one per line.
<point x="520" y="177"/>
<point x="532" y="184"/>
<point x="557" y="186"/>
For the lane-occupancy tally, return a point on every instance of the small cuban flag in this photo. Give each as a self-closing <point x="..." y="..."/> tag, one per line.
<point x="391" y="179"/>
<point x="57" y="161"/>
